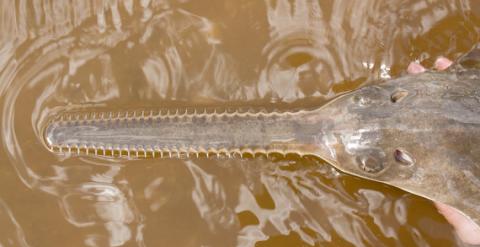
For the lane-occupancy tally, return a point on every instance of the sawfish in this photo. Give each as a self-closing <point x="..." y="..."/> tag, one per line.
<point x="420" y="133"/>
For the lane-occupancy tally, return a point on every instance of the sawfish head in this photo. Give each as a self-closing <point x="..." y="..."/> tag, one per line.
<point x="419" y="133"/>
<point x="416" y="132"/>
<point x="367" y="137"/>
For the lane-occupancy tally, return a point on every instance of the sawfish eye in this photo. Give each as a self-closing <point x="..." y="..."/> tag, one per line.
<point x="370" y="164"/>
<point x="368" y="95"/>
<point x="361" y="100"/>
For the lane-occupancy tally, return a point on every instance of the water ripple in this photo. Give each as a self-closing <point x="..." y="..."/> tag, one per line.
<point x="12" y="233"/>
<point x="110" y="54"/>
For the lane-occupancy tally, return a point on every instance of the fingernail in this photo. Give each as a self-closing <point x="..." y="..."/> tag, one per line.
<point x="415" y="68"/>
<point x="442" y="63"/>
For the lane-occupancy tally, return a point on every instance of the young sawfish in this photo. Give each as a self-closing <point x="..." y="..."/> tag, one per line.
<point x="420" y="133"/>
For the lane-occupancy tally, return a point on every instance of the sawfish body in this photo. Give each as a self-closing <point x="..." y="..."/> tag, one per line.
<point x="420" y="133"/>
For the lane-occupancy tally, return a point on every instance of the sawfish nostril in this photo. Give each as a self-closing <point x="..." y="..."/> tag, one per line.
<point x="403" y="157"/>
<point x="398" y="95"/>
<point x="370" y="164"/>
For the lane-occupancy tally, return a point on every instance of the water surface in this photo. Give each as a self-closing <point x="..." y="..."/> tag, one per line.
<point x="114" y="55"/>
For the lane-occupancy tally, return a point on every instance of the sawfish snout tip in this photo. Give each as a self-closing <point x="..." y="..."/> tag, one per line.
<point x="51" y="135"/>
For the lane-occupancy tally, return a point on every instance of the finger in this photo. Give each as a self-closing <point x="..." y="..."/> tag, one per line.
<point x="442" y="63"/>
<point x="467" y="230"/>
<point x="415" y="68"/>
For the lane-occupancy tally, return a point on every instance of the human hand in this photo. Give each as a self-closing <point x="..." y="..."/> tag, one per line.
<point x="467" y="230"/>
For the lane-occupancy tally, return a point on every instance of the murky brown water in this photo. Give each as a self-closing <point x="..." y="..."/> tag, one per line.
<point x="286" y="54"/>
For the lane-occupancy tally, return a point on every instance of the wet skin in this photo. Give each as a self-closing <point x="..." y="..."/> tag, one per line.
<point x="418" y="133"/>
<point x="467" y="230"/>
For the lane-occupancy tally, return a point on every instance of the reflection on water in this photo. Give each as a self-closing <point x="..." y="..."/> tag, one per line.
<point x="57" y="55"/>
<point x="12" y="233"/>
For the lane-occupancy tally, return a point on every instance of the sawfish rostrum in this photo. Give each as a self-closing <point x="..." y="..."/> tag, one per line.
<point x="420" y="133"/>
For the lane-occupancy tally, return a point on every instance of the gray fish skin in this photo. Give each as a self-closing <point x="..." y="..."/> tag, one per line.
<point x="420" y="133"/>
<point x="427" y="143"/>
